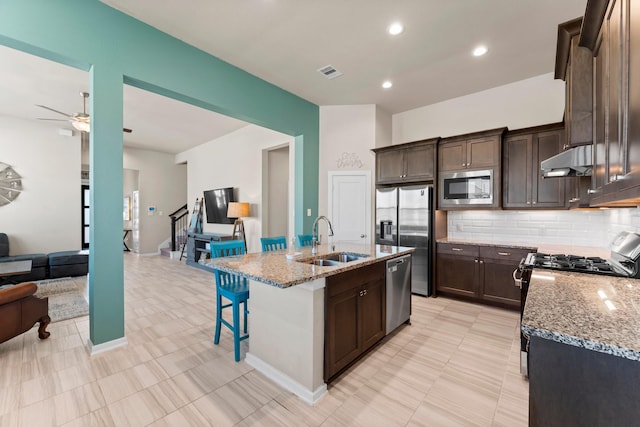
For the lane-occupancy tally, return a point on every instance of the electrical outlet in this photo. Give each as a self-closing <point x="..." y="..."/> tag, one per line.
<point x="308" y="212"/>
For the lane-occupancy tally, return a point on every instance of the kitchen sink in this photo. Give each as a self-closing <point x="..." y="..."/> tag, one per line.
<point x="322" y="262"/>
<point x="344" y="257"/>
<point x="333" y="260"/>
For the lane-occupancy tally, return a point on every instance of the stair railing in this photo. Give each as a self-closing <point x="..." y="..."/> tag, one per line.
<point x="179" y="222"/>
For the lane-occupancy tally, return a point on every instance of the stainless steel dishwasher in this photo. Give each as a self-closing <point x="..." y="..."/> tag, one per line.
<point x="398" y="291"/>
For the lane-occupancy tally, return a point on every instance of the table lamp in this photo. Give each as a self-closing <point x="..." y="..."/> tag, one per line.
<point x="238" y="210"/>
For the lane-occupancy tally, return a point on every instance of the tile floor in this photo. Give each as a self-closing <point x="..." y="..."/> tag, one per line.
<point x="455" y="365"/>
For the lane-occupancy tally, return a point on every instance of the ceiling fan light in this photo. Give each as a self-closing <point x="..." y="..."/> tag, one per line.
<point x="81" y="126"/>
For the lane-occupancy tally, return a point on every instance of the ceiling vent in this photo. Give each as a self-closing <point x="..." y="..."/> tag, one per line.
<point x="329" y="72"/>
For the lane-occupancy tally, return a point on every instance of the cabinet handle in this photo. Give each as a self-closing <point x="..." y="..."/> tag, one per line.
<point x="456" y="249"/>
<point x="615" y="178"/>
<point x="361" y="293"/>
<point x="565" y="147"/>
<point x="464" y="164"/>
<point x="534" y="203"/>
<point x="365" y="292"/>
<point x="504" y="253"/>
<point x="516" y="279"/>
<point x="475" y="260"/>
<point x="590" y="191"/>
<point x="481" y="262"/>
<point x="362" y="236"/>
<point x="528" y="203"/>
<point x="574" y="199"/>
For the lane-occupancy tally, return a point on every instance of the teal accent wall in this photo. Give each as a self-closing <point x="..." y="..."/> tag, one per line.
<point x="116" y="48"/>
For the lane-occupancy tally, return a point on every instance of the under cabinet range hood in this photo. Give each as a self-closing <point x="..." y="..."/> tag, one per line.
<point x="576" y="161"/>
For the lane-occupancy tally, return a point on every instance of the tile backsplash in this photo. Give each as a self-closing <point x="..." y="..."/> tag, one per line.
<point x="595" y="228"/>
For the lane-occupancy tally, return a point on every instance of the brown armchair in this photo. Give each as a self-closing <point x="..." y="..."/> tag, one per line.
<point x="20" y="310"/>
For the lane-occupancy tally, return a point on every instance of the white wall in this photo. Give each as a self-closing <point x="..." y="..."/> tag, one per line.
<point x="593" y="228"/>
<point x="234" y="160"/>
<point x="349" y="132"/>
<point x="162" y="183"/>
<point x="46" y="216"/>
<point x="531" y="102"/>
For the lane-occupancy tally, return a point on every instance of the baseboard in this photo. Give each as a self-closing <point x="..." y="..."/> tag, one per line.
<point x="285" y="380"/>
<point x="105" y="346"/>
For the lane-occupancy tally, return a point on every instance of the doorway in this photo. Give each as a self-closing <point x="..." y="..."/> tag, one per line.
<point x="275" y="191"/>
<point x="350" y="205"/>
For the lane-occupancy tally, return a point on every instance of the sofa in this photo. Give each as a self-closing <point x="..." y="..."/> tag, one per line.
<point x="20" y="310"/>
<point x="39" y="264"/>
<point x="45" y="266"/>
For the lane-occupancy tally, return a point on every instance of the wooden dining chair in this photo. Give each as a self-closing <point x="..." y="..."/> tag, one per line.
<point x="273" y="243"/>
<point x="235" y="289"/>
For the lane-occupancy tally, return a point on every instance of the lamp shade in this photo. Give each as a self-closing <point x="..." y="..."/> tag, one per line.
<point x="238" y="210"/>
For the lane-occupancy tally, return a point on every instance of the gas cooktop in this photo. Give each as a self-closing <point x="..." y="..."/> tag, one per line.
<point x="562" y="262"/>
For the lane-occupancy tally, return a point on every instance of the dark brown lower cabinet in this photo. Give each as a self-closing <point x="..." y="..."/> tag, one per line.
<point x="574" y="386"/>
<point x="355" y="316"/>
<point x="457" y="274"/>
<point x="481" y="273"/>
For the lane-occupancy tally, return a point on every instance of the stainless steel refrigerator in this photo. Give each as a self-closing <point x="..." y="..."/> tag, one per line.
<point x="403" y="218"/>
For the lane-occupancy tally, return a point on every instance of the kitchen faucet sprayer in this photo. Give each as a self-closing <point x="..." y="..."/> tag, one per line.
<point x="314" y="243"/>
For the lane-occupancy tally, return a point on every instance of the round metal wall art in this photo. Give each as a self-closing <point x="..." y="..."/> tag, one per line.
<point x="10" y="184"/>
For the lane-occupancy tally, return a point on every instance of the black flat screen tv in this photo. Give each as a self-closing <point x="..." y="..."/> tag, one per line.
<point x="216" y="203"/>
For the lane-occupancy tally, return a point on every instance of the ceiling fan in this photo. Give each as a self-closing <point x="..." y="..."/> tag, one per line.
<point x="80" y="121"/>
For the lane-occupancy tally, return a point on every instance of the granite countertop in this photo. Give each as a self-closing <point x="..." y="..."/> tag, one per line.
<point x="599" y="313"/>
<point x="485" y="243"/>
<point x="546" y="248"/>
<point x="274" y="268"/>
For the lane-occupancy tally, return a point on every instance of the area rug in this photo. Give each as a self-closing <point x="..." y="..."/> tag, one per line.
<point x="66" y="297"/>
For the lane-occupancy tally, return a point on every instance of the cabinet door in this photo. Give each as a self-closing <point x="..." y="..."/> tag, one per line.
<point x="372" y="311"/>
<point x="633" y="135"/>
<point x="614" y="33"/>
<point x="483" y="152"/>
<point x="600" y="102"/>
<point x="517" y="164"/>
<point x="457" y="275"/>
<point x="547" y="193"/>
<point x="452" y="156"/>
<point x="341" y="335"/>
<point x="420" y="162"/>
<point x="497" y="282"/>
<point x="389" y="166"/>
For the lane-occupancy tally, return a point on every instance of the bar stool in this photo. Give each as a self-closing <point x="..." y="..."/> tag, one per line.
<point x="273" y="243"/>
<point x="235" y="289"/>
<point x="305" y="239"/>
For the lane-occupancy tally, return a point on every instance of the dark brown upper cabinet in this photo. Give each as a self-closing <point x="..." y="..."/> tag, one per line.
<point x="410" y="162"/>
<point x="523" y="184"/>
<point x="574" y="65"/>
<point x="473" y="151"/>
<point x="611" y="30"/>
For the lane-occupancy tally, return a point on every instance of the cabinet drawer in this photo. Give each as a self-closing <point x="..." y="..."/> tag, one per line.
<point x="458" y="249"/>
<point x="504" y="253"/>
<point x="354" y="278"/>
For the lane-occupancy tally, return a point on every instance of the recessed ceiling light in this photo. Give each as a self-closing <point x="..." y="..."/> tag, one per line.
<point x="480" y="50"/>
<point x="395" y="28"/>
<point x="387" y="84"/>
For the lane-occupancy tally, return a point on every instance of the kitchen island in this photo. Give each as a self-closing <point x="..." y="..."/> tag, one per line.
<point x="584" y="350"/>
<point x="287" y="309"/>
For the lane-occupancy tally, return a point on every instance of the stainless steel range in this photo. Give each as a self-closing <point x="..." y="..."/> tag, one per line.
<point x="624" y="262"/>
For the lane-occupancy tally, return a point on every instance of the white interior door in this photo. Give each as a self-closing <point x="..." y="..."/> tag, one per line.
<point x="350" y="205"/>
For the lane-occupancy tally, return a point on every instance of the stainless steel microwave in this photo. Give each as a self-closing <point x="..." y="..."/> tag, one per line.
<point x="467" y="188"/>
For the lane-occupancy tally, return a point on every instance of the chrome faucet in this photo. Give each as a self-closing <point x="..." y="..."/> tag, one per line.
<point x="314" y="240"/>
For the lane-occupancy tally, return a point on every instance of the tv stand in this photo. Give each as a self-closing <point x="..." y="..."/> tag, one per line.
<point x="197" y="246"/>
